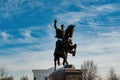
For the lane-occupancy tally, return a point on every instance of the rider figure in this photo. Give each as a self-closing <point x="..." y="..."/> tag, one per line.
<point x="60" y="35"/>
<point x="59" y="32"/>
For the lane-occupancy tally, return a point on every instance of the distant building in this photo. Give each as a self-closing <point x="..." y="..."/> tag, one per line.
<point x="42" y="74"/>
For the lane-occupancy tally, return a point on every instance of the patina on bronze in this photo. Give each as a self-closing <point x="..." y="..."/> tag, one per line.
<point x="64" y="44"/>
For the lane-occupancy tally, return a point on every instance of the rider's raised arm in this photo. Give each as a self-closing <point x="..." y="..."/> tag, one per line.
<point x="55" y="26"/>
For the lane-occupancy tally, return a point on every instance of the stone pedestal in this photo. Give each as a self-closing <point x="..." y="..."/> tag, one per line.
<point x="66" y="73"/>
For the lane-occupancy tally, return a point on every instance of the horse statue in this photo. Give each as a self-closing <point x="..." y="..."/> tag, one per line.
<point x="64" y="45"/>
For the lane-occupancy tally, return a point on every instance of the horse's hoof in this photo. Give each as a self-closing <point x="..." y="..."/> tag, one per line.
<point x="74" y="53"/>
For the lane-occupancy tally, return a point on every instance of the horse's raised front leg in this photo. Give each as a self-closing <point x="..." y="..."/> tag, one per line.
<point x="75" y="46"/>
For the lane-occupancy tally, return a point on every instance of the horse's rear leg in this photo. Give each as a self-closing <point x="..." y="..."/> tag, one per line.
<point x="65" y="62"/>
<point x="58" y="62"/>
<point x="54" y="65"/>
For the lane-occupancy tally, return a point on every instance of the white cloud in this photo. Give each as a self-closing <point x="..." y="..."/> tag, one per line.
<point x="104" y="49"/>
<point x="5" y="36"/>
<point x="89" y="15"/>
<point x="108" y="8"/>
<point x="14" y="7"/>
<point x="26" y="34"/>
<point x="74" y="17"/>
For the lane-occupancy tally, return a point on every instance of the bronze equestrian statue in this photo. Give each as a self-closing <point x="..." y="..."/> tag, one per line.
<point x="64" y="44"/>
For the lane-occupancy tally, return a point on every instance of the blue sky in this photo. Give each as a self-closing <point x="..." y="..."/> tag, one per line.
<point x="27" y="34"/>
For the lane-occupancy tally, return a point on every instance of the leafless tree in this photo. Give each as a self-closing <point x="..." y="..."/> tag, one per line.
<point x="89" y="70"/>
<point x="4" y="74"/>
<point x="24" y="78"/>
<point x="112" y="75"/>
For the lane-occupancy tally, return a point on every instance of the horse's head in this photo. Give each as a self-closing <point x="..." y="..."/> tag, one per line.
<point x="69" y="31"/>
<point x="71" y="25"/>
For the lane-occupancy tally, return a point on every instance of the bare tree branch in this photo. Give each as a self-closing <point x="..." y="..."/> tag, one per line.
<point x="112" y="75"/>
<point x="90" y="70"/>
